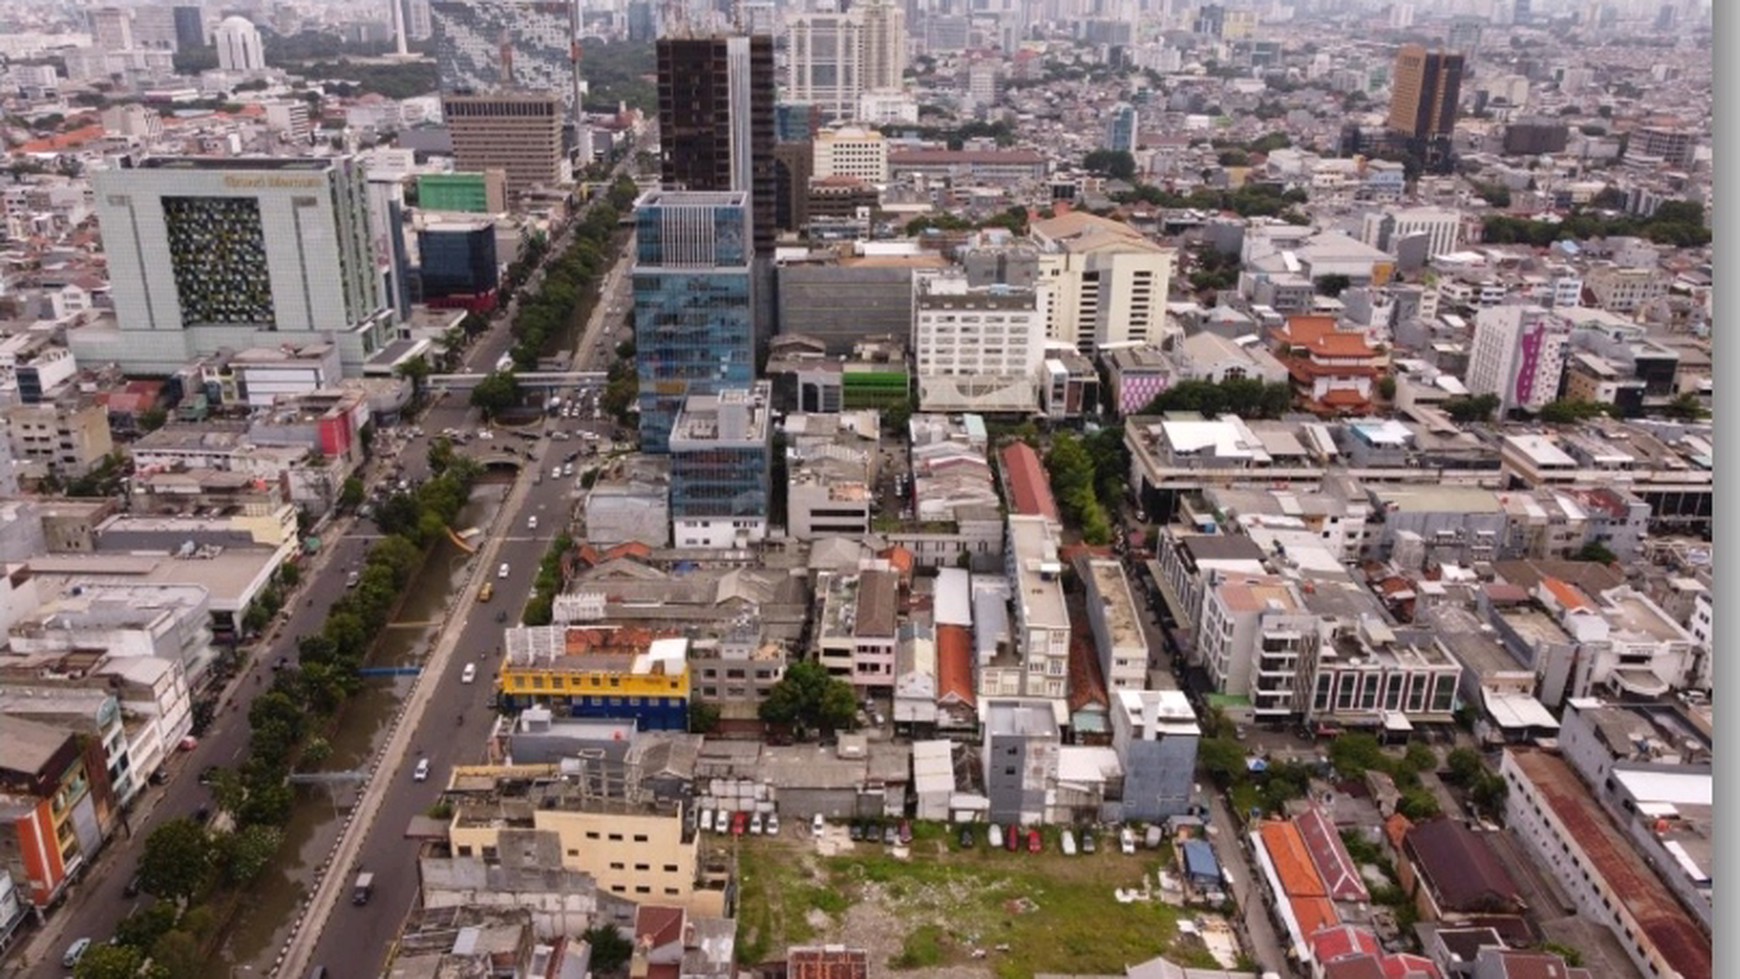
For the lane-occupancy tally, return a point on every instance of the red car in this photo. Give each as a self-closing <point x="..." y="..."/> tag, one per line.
<point x="739" y="823"/>
<point x="1034" y="844"/>
<point x="1013" y="838"/>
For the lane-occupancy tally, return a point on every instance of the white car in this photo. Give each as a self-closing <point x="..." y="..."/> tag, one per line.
<point x="502" y="572"/>
<point x="531" y="523"/>
<point x="469" y="674"/>
<point x="817" y="824"/>
<point x="568" y="470"/>
<point x="773" y="824"/>
<point x="556" y="472"/>
<point x="421" y="772"/>
<point x="755" y="824"/>
<point x="722" y="821"/>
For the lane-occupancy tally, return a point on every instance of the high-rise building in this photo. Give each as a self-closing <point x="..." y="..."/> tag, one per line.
<point x="716" y="130"/>
<point x="1519" y="355"/>
<point x="154" y="28"/>
<point x="796" y="122"/>
<point x="1122" y="128"/>
<point x="189" y="27"/>
<point x="519" y="133"/>
<point x="487" y="46"/>
<point x="694" y="322"/>
<point x="207" y="253"/>
<point x="419" y="20"/>
<point x="239" y="47"/>
<point x="1424" y="92"/>
<point x="834" y="58"/>
<point x="112" y="29"/>
<point x="721" y="449"/>
<point x="1107" y="283"/>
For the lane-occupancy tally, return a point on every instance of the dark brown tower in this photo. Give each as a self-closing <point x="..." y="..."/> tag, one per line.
<point x="716" y="124"/>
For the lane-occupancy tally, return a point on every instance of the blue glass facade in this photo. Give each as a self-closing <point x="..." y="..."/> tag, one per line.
<point x="693" y="309"/>
<point x="458" y="261"/>
<point x="720" y="482"/>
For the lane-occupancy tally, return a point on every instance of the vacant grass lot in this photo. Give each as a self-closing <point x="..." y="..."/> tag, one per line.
<point x="930" y="911"/>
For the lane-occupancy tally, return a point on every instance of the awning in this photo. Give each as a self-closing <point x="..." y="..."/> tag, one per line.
<point x="1395" y="720"/>
<point x="1642" y="683"/>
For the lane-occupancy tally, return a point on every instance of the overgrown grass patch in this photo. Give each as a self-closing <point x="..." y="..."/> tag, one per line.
<point x="1053" y="913"/>
<point x="776" y="897"/>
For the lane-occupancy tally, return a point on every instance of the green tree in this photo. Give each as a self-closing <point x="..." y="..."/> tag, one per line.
<point x="1420" y="758"/>
<point x="110" y="962"/>
<point x="176" y="863"/>
<point x="1355" y="753"/>
<point x="1221" y="759"/>
<point x="177" y="955"/>
<point x="1418" y="804"/>
<point x="1117" y="164"/>
<point x="1686" y="406"/>
<point x="1387" y="387"/>
<point x="247" y="852"/>
<point x="441" y="455"/>
<point x="1597" y="552"/>
<point x="496" y="393"/>
<point x="610" y="949"/>
<point x="1464" y="766"/>
<point x="1332" y="285"/>
<point x="1478" y="408"/>
<point x="1569" y="411"/>
<point x="620" y="394"/>
<point x="144" y="927"/>
<point x="417" y="371"/>
<point x="152" y="419"/>
<point x="703" y="717"/>
<point x="352" y="494"/>
<point x="808" y="698"/>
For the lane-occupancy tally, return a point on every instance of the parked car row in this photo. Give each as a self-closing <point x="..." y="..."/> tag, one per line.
<point x="886" y="832"/>
<point x="739" y="822"/>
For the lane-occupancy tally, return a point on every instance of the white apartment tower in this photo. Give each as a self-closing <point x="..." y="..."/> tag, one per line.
<point x="238" y="45"/>
<point x="832" y="59"/>
<point x="1519" y="355"/>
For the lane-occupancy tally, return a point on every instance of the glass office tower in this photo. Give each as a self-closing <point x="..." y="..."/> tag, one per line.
<point x="694" y="328"/>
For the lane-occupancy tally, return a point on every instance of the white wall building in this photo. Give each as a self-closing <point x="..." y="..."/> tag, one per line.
<point x="209" y="253"/>
<point x="1442" y="227"/>
<point x="980" y="339"/>
<point x="239" y="47"/>
<point x="1041" y="622"/>
<point x="832" y="59"/>
<point x="1107" y="283"/>
<point x="1519" y="355"/>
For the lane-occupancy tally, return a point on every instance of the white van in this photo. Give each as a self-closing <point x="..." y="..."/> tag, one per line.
<point x="75" y="952"/>
<point x="468" y="674"/>
<point x="421" y="772"/>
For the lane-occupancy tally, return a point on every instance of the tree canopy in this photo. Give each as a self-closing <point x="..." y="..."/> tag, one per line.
<point x="177" y="861"/>
<point x="1241" y="396"/>
<point x="810" y="699"/>
<point x="499" y="391"/>
<point x="1117" y="164"/>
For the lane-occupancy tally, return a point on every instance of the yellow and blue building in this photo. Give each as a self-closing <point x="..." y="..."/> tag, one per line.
<point x="601" y="672"/>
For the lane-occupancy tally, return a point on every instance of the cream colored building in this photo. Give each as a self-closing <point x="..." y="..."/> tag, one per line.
<point x="851" y="152"/>
<point x="67" y="441"/>
<point x="1107" y="282"/>
<point x="646" y="852"/>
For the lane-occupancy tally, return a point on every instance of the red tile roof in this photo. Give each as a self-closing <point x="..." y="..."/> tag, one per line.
<point x="1341" y="941"/>
<point x="1661" y="919"/>
<point x="658" y="926"/>
<point x="1314" y="913"/>
<point x="71" y="139"/>
<point x="1024" y="478"/>
<point x="1286" y="848"/>
<point x="1087" y="685"/>
<point x="1461" y="867"/>
<point x="1329" y="855"/>
<point x="954" y="664"/>
<point x="827" y="962"/>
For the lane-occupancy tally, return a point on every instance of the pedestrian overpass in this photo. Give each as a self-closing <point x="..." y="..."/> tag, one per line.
<point x="534" y="380"/>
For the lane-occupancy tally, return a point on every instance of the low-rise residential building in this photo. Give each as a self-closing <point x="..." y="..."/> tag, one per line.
<point x="643" y="849"/>
<point x="1655" y="782"/>
<point x="857" y="627"/>
<point x="1456" y="524"/>
<point x="1452" y="873"/>
<point x="1041" y="619"/>
<point x="63" y="440"/>
<point x="1121" y="646"/>
<point x="1155" y="735"/>
<point x="631" y="503"/>
<point x="56" y="806"/>
<point x="1020" y="757"/>
<point x="1598" y="868"/>
<point x="1255" y="637"/>
<point x="828" y="492"/>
